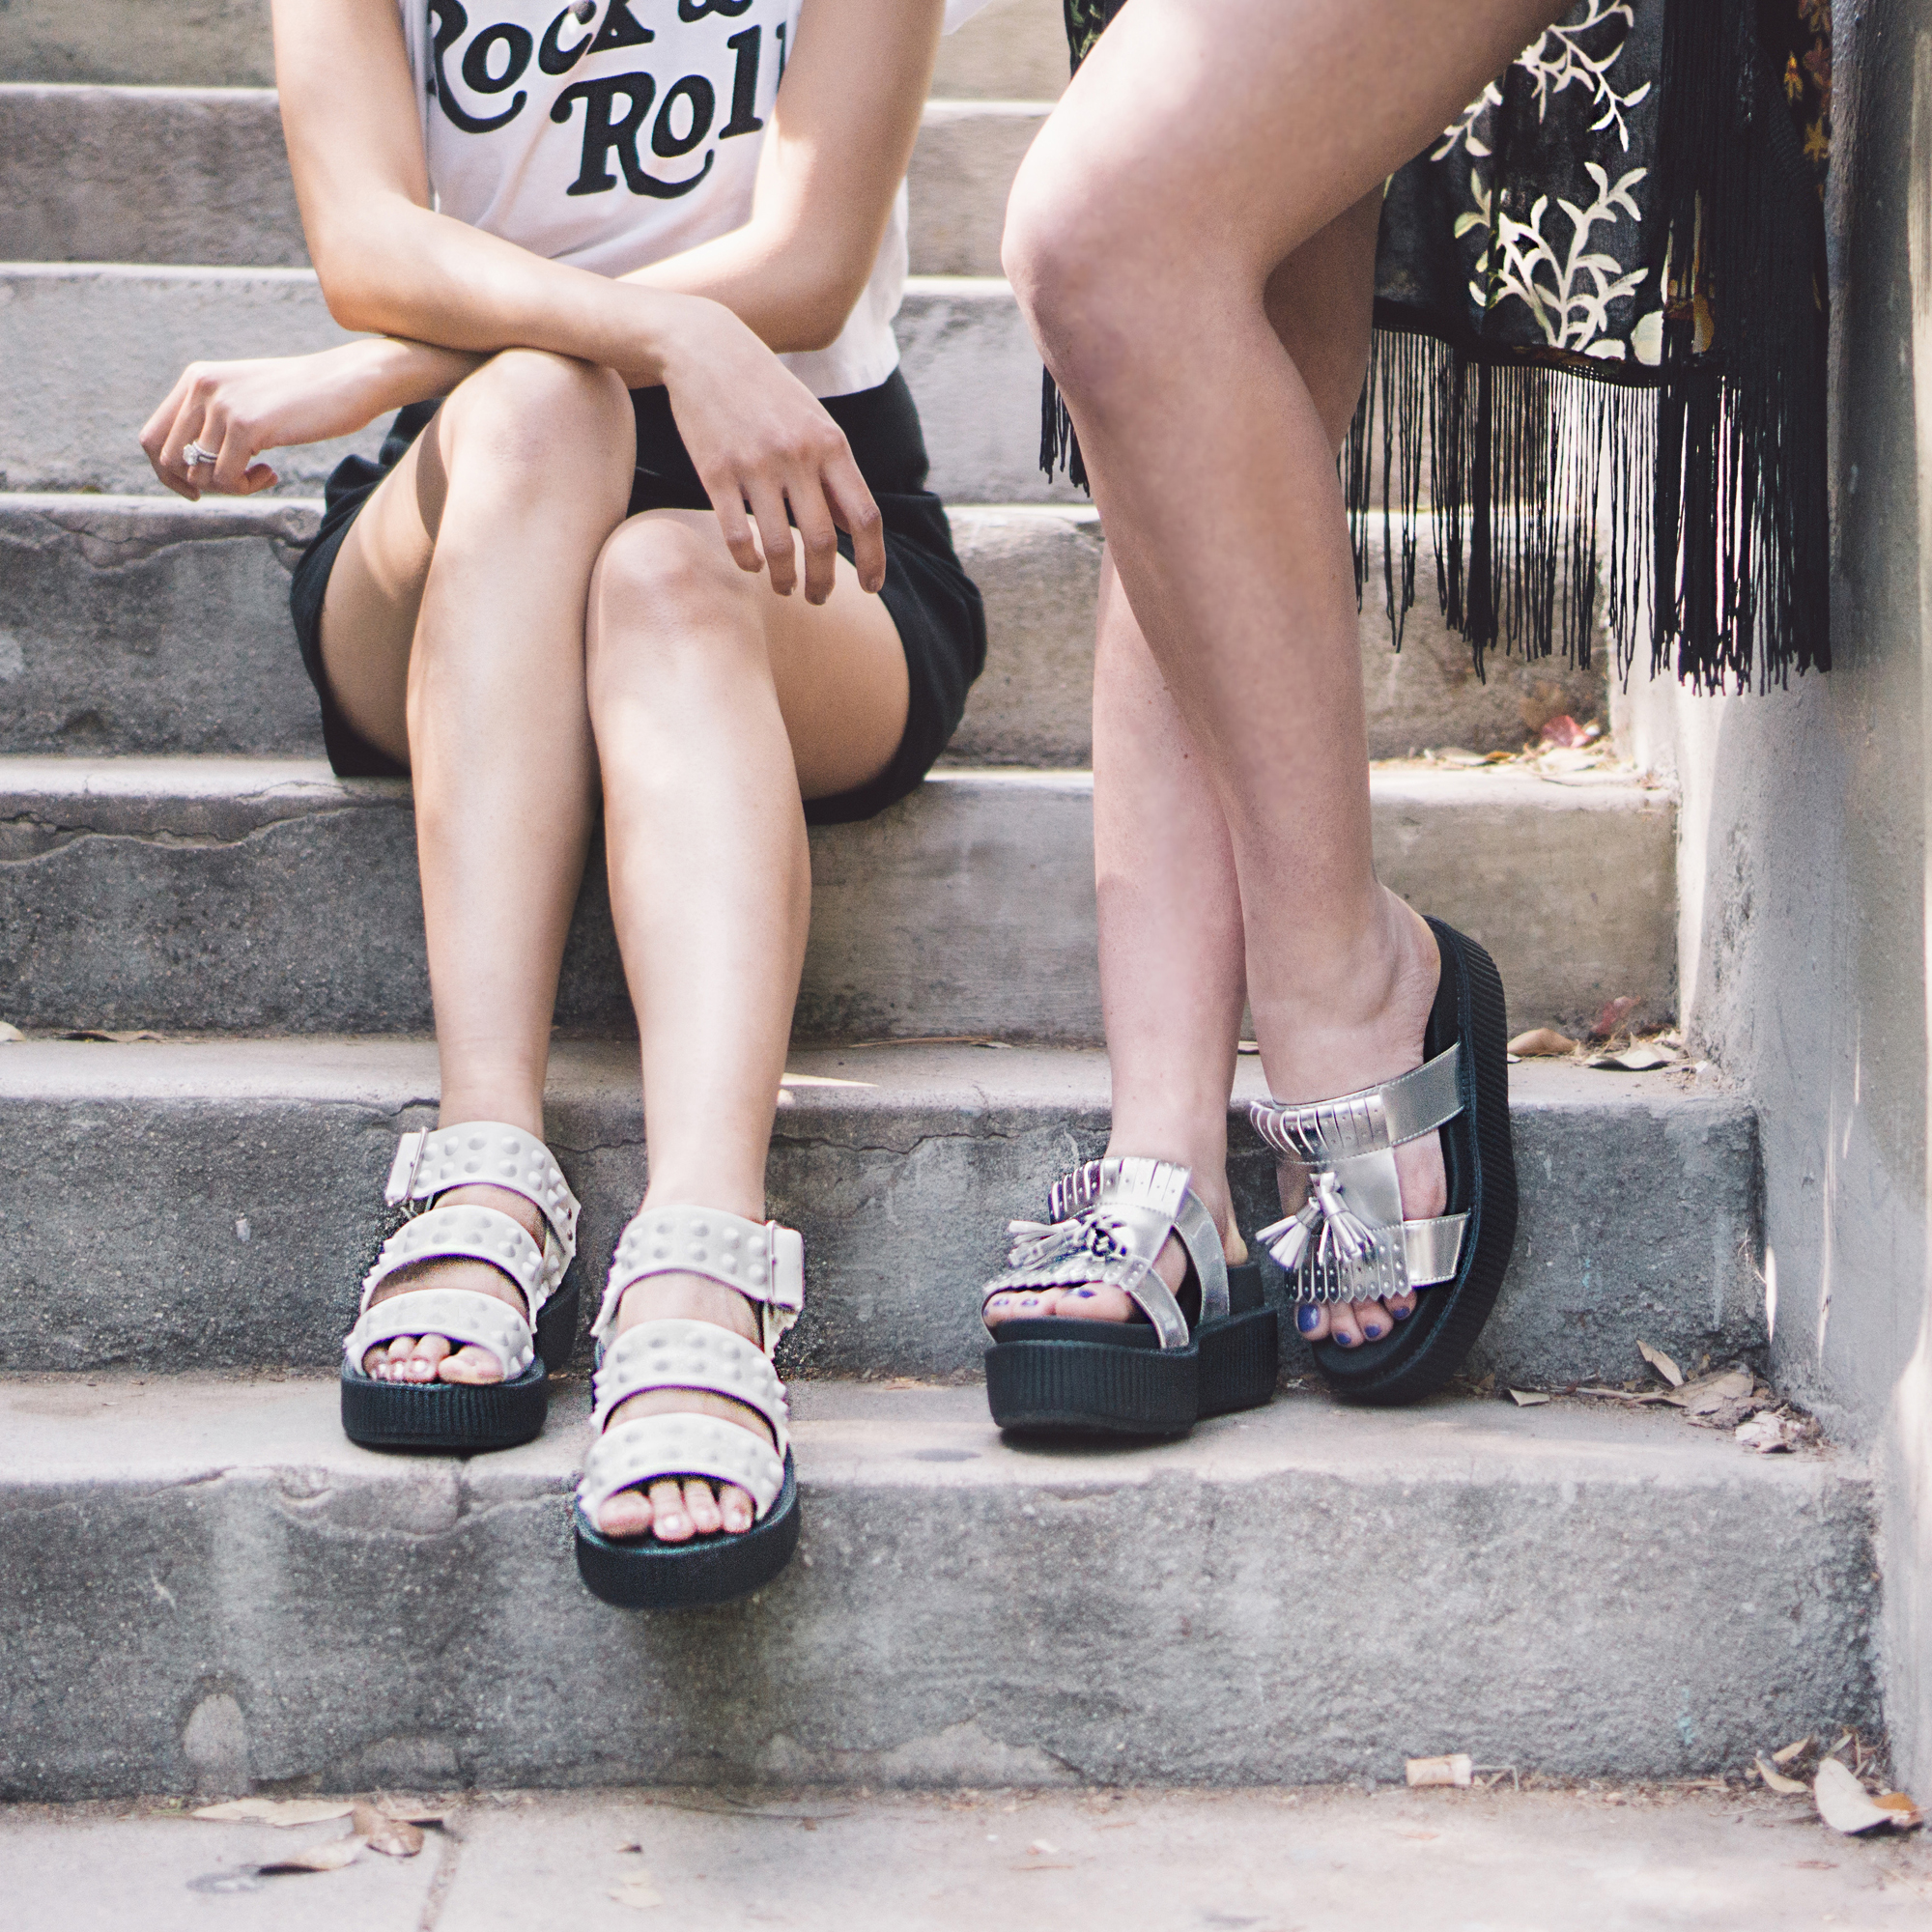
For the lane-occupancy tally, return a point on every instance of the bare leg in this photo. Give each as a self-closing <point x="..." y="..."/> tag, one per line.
<point x="717" y="708"/>
<point x="1146" y="248"/>
<point x="453" y="638"/>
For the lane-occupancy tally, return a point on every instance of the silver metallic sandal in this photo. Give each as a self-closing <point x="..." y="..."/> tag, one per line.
<point x="1347" y="1241"/>
<point x="1156" y="1375"/>
<point x="765" y="1264"/>
<point x="459" y="1416"/>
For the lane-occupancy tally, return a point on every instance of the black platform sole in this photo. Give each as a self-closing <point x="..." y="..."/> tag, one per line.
<point x="1426" y="1350"/>
<point x="647" y="1574"/>
<point x="450" y="1418"/>
<point x="1062" y="1377"/>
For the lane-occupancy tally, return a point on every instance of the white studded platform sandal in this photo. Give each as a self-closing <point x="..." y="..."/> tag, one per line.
<point x="1209" y="1350"/>
<point x="765" y="1264"/>
<point x="1347" y="1241"/>
<point x="460" y="1416"/>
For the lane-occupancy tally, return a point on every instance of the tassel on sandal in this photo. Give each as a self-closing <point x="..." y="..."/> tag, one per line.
<point x="461" y="1417"/>
<point x="765" y="1264"/>
<point x="1155" y="1376"/>
<point x="1347" y="1242"/>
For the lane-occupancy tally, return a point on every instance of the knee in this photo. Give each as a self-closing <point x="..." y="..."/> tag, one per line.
<point x="547" y="415"/>
<point x="666" y="596"/>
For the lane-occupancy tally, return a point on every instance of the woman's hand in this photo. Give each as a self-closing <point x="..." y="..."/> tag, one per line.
<point x="759" y="436"/>
<point x="237" y="410"/>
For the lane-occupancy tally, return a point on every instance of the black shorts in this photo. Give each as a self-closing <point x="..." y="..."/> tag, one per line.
<point x="935" y="604"/>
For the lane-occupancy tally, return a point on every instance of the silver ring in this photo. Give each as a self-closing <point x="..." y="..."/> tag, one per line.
<point x="192" y="453"/>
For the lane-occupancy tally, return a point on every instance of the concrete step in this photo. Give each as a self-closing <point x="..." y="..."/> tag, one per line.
<point x="207" y="1578"/>
<point x="147" y="625"/>
<point x="245" y="895"/>
<point x="1015" y="49"/>
<point x="837" y="1858"/>
<point x="205" y="1205"/>
<point x="90" y="350"/>
<point x="215" y="187"/>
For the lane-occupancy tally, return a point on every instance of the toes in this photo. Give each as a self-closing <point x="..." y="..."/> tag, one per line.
<point x="469" y="1365"/>
<point x="737" y="1510"/>
<point x="627" y="1514"/>
<point x="1311" y="1321"/>
<point x="1095" y="1302"/>
<point x="1023" y="1304"/>
<point x="1344" y="1329"/>
<point x="421" y="1366"/>
<point x="392" y="1362"/>
<point x="667" y="1515"/>
<point x="1400" y="1306"/>
<point x="701" y="1507"/>
<point x="1375" y="1319"/>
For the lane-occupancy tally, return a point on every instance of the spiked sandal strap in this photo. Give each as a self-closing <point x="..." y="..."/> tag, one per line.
<point x="459" y="1313"/>
<point x="634" y="1454"/>
<point x="1110" y="1221"/>
<point x="466" y="1234"/>
<point x="486" y="1153"/>
<point x="762" y="1261"/>
<point x="680" y="1354"/>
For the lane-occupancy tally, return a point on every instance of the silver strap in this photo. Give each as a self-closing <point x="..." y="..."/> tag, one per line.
<point x="1109" y="1221"/>
<point x="1320" y="1132"/>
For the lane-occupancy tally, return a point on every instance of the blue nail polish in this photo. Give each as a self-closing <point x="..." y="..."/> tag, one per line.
<point x="1402" y="1314"/>
<point x="1307" y="1319"/>
<point x="1342" y="1340"/>
<point x="1370" y="1329"/>
<point x="1083" y="1294"/>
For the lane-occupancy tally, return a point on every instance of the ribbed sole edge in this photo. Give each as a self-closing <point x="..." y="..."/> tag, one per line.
<point x="444" y="1417"/>
<point x="1092" y="1388"/>
<point x="1240" y="1362"/>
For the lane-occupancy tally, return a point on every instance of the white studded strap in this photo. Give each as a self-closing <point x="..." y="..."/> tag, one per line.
<point x="680" y="1354"/>
<point x="459" y="1313"/>
<point x="491" y="1154"/>
<point x="466" y="1234"/>
<point x="635" y="1455"/>
<point x="762" y="1261"/>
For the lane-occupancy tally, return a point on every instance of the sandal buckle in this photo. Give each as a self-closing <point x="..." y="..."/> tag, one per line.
<point x="402" y="1183"/>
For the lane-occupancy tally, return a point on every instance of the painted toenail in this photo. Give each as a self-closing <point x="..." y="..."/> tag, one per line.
<point x="1083" y="1294"/>
<point x="1308" y="1319"/>
<point x="1342" y="1340"/>
<point x="1370" y="1329"/>
<point x="1402" y="1314"/>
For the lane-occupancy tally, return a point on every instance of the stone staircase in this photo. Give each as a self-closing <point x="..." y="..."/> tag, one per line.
<point x="205" y="1582"/>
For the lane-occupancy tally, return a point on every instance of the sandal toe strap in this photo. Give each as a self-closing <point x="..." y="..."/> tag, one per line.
<point x="680" y="1354"/>
<point x="461" y="1314"/>
<point x="1109" y="1221"/>
<point x="634" y="1454"/>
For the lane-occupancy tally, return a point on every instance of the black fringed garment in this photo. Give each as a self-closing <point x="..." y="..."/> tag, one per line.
<point x="1599" y="356"/>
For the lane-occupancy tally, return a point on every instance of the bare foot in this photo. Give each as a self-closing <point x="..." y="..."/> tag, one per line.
<point x="674" y="1511"/>
<point x="429" y="1358"/>
<point x="1326" y="1059"/>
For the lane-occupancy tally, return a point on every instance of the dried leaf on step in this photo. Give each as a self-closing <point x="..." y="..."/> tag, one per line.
<point x="1541" y="1040"/>
<point x="1776" y="1780"/>
<point x="639" y="1894"/>
<point x="283" y="1811"/>
<point x="1905" y="1815"/>
<point x="125" y="1039"/>
<point x="1639" y="1057"/>
<point x="1455" y="1769"/>
<point x="1661" y="1363"/>
<point x="9" y="1034"/>
<point x="1527" y="1398"/>
<point x="1844" y="1803"/>
<point x="393" y="1838"/>
<point x="1766" y="1434"/>
<point x="1790" y="1752"/>
<point x="1709" y="1393"/>
<point x="331" y="1855"/>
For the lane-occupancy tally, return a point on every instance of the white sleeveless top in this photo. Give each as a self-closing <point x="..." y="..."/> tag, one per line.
<point x="633" y="134"/>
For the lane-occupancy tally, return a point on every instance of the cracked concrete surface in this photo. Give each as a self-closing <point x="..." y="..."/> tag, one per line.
<point x="1621" y="1859"/>
<point x="190" y="1539"/>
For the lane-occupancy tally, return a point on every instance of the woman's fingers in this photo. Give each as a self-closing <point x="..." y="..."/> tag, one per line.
<point x="854" y="512"/>
<point x="818" y="536"/>
<point x="157" y="429"/>
<point x="232" y="454"/>
<point x="768" y="511"/>
<point x="728" y="499"/>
